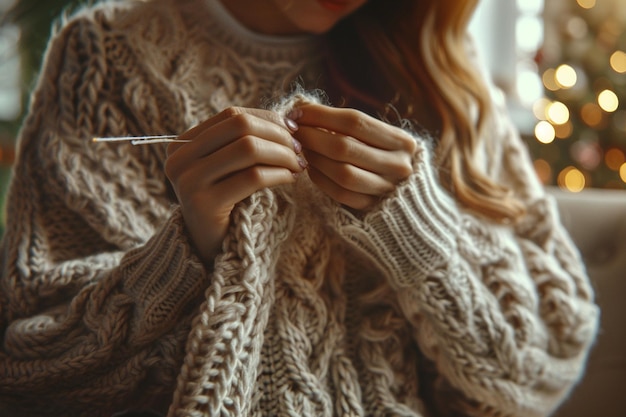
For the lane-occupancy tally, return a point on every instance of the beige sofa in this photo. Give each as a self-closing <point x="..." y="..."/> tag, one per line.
<point x="596" y="220"/>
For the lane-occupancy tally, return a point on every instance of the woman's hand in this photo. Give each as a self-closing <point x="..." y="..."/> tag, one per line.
<point x="354" y="158"/>
<point x="228" y="158"/>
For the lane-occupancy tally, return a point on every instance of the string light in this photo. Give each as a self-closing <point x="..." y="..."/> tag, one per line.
<point x="618" y="61"/>
<point x="591" y="114"/>
<point x="583" y="99"/>
<point x="544" y="132"/>
<point x="539" y="108"/>
<point x="587" y="4"/>
<point x="608" y="101"/>
<point x="587" y="153"/>
<point x="557" y="113"/>
<point x="565" y="76"/>
<point x="614" y="158"/>
<point x="549" y="80"/>
<point x="572" y="179"/>
<point x="564" y="131"/>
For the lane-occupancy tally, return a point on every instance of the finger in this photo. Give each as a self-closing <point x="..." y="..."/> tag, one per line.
<point x="391" y="164"/>
<point x="226" y="132"/>
<point x="248" y="152"/>
<point x="231" y="125"/>
<point x="342" y="195"/>
<point x="359" y="125"/>
<point x="192" y="133"/>
<point x="242" y="154"/>
<point x="350" y="177"/>
<point x="241" y="185"/>
<point x="236" y="120"/>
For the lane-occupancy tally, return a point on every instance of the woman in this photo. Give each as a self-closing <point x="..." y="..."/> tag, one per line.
<point x="372" y="241"/>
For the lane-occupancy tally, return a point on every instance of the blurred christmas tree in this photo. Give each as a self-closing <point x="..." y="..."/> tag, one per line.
<point x="580" y="139"/>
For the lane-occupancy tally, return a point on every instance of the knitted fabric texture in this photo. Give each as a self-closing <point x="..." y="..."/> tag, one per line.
<point x="416" y="308"/>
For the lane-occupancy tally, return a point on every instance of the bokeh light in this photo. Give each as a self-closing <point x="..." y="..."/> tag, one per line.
<point x="591" y="114"/>
<point x="549" y="79"/>
<point x="529" y="85"/>
<point x="618" y="61"/>
<point x="564" y="131"/>
<point x="586" y="4"/>
<point x="580" y="119"/>
<point x="539" y="108"/>
<point x="565" y="76"/>
<point x="557" y="113"/>
<point x="614" y="158"/>
<point x="571" y="179"/>
<point x="544" y="170"/>
<point x="544" y="132"/>
<point x="587" y="153"/>
<point x="608" y="101"/>
<point x="577" y="28"/>
<point x="609" y="31"/>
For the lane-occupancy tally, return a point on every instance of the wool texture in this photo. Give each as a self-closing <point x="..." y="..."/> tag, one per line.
<point x="417" y="307"/>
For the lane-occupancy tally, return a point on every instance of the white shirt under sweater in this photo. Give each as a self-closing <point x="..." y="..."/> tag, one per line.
<point x="415" y="308"/>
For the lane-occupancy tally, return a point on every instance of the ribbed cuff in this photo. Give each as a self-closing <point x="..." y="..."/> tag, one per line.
<point x="163" y="277"/>
<point x="412" y="231"/>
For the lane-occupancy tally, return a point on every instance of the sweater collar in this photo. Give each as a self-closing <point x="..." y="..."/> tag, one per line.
<point x="228" y="30"/>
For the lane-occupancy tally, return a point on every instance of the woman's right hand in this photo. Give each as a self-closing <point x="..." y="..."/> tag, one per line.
<point x="229" y="157"/>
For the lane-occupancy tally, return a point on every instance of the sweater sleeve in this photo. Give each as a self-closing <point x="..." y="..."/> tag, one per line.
<point x="505" y="312"/>
<point x="99" y="281"/>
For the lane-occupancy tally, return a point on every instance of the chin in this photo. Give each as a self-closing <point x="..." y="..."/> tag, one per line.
<point x="318" y="28"/>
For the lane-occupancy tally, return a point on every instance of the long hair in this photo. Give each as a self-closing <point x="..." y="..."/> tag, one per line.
<point x="413" y="54"/>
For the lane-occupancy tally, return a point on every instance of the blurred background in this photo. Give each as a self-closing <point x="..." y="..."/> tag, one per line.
<point x="562" y="66"/>
<point x="560" y="63"/>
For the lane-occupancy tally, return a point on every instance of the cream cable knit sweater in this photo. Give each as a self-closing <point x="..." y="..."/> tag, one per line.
<point x="417" y="308"/>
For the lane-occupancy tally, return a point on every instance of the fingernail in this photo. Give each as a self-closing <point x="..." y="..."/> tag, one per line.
<point x="302" y="162"/>
<point x="297" y="146"/>
<point x="295" y="114"/>
<point x="291" y="124"/>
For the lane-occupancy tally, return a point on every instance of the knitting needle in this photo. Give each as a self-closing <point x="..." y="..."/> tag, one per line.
<point x="140" y="140"/>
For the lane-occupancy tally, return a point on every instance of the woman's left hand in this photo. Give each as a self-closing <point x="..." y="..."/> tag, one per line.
<point x="354" y="158"/>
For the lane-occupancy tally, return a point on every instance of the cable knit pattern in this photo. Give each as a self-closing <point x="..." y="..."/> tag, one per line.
<point x="415" y="308"/>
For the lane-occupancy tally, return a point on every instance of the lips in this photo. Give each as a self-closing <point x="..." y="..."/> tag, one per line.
<point x="334" y="5"/>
